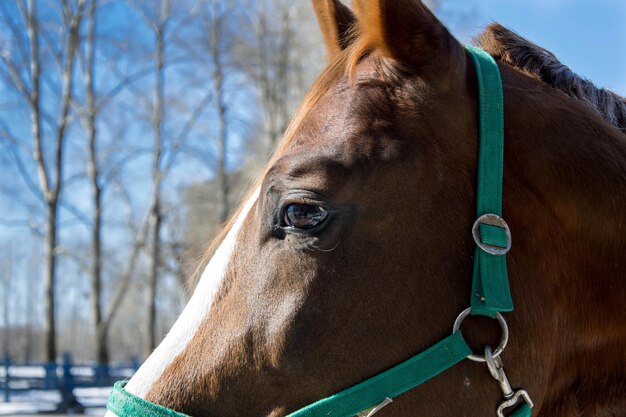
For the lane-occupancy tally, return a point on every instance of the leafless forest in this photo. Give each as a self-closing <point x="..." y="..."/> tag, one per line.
<point x="128" y="131"/>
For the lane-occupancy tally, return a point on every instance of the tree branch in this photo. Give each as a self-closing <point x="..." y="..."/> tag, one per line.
<point x="35" y="72"/>
<point x="186" y="129"/>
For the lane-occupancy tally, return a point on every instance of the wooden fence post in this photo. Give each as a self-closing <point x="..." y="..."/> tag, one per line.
<point x="101" y="374"/>
<point x="68" y="378"/>
<point x="51" y="380"/>
<point x="66" y="388"/>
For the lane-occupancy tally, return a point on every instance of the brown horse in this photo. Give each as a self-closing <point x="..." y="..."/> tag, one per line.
<point x="353" y="251"/>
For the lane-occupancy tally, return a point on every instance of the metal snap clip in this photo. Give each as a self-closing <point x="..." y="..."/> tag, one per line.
<point x="511" y="397"/>
<point x="503" y="340"/>
<point x="492" y="220"/>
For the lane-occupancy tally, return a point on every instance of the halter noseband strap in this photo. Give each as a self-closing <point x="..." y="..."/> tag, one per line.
<point x="124" y="404"/>
<point x="490" y="291"/>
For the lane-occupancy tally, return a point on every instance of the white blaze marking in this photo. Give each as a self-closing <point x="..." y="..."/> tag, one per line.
<point x="193" y="315"/>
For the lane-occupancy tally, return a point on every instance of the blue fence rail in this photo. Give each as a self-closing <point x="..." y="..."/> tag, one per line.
<point x="63" y="376"/>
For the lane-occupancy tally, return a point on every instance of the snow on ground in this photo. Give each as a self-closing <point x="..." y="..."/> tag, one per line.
<point x="24" y="371"/>
<point x="31" y="402"/>
<point x="39" y="371"/>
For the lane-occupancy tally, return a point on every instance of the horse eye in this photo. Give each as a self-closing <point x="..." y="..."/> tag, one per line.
<point x="304" y="216"/>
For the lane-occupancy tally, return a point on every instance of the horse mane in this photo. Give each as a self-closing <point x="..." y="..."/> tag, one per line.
<point x="516" y="51"/>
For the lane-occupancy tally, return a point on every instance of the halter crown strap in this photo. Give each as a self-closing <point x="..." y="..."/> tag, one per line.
<point x="490" y="286"/>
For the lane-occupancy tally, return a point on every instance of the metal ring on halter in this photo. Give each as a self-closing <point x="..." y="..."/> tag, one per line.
<point x="503" y="340"/>
<point x="492" y="220"/>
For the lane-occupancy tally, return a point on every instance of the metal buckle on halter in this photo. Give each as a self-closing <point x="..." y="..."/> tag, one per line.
<point x="492" y="220"/>
<point x="375" y="409"/>
<point x="511" y="398"/>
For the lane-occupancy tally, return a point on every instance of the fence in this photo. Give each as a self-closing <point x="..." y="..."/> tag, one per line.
<point x="63" y="376"/>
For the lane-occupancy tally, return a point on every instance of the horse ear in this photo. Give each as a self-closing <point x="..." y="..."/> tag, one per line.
<point x="407" y="31"/>
<point x="336" y="21"/>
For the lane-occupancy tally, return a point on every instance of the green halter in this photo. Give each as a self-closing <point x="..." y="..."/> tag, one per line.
<point x="490" y="291"/>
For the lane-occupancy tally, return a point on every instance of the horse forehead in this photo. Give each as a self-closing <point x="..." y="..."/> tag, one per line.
<point x="352" y="101"/>
<point x="351" y="126"/>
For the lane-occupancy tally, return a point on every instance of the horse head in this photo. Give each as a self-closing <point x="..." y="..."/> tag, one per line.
<point x="353" y="251"/>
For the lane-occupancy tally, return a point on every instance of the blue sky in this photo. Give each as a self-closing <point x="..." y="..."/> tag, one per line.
<point x="587" y="35"/>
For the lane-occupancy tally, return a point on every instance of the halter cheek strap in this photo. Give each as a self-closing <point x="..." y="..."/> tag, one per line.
<point x="490" y="292"/>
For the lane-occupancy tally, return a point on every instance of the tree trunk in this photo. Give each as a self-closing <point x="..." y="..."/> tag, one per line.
<point x="155" y="226"/>
<point x="30" y="318"/>
<point x="49" y="267"/>
<point x="100" y="333"/>
<point x="155" y="215"/>
<point x="218" y="80"/>
<point x="51" y="190"/>
<point x="93" y="171"/>
<point x="49" y="282"/>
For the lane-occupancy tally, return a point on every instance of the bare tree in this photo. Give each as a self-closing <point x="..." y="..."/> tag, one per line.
<point x="155" y="203"/>
<point x="213" y="23"/>
<point x="52" y="190"/>
<point x="49" y="165"/>
<point x="93" y="171"/>
<point x="281" y="58"/>
<point x="102" y="175"/>
<point x="156" y="15"/>
<point x="166" y="146"/>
